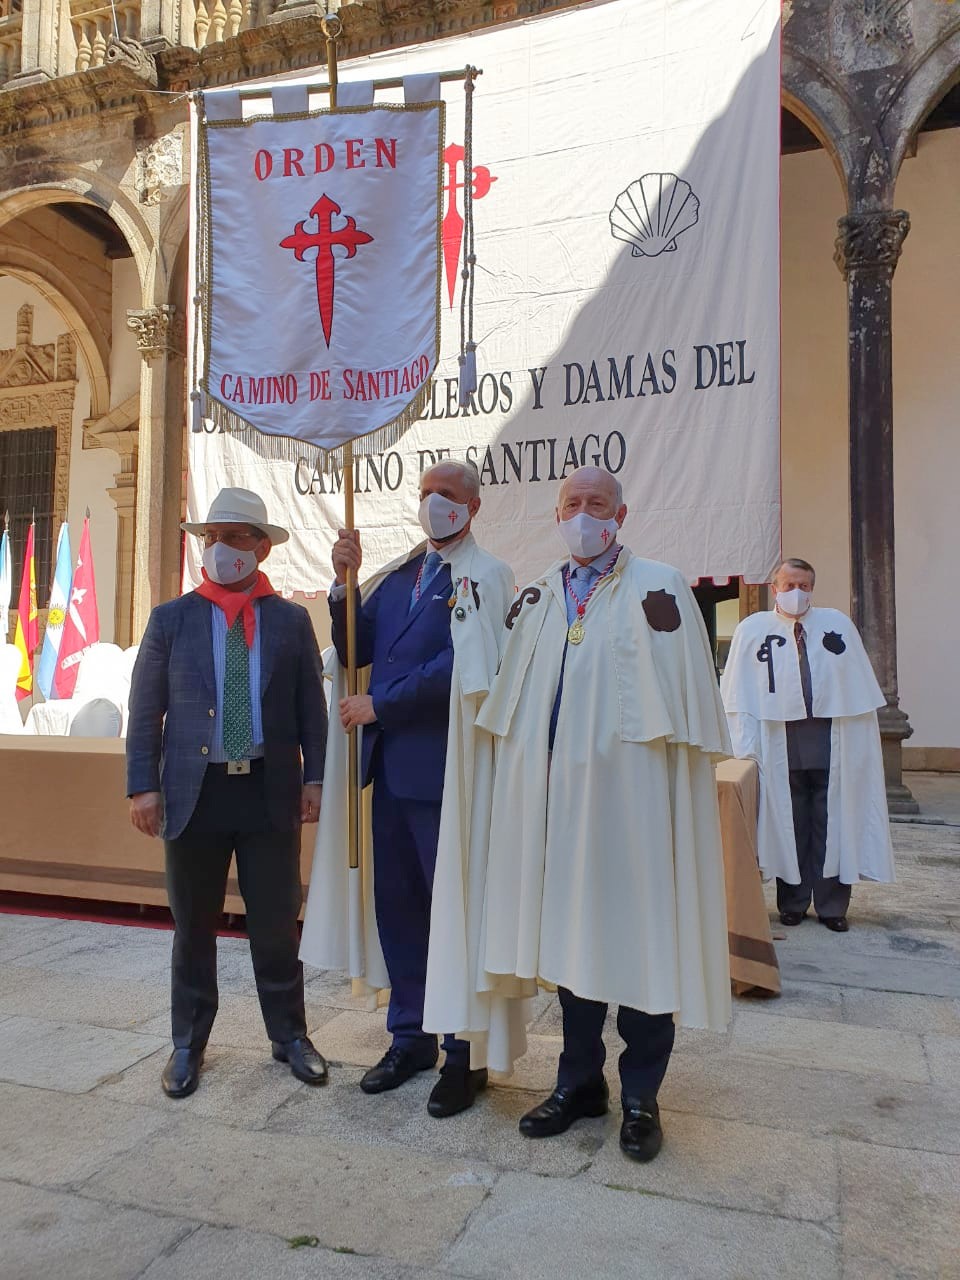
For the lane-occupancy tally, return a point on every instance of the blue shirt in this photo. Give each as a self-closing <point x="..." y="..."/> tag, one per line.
<point x="583" y="576"/>
<point x="219" y="619"/>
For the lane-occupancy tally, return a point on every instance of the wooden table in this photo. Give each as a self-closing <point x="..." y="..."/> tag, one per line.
<point x="65" y="831"/>
<point x="753" y="958"/>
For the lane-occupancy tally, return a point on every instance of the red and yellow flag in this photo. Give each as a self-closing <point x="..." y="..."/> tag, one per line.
<point x="27" y="635"/>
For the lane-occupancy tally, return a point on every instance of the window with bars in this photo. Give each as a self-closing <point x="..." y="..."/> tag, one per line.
<point x="28" y="462"/>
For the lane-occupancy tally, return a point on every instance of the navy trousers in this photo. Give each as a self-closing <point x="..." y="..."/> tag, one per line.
<point x="405" y="834"/>
<point x="643" y="1063"/>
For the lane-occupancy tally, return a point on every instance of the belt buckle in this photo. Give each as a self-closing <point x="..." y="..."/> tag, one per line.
<point x="236" y="768"/>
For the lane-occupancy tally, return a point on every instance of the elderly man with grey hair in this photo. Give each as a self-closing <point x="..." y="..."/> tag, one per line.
<point x="404" y="635"/>
<point x="604" y="874"/>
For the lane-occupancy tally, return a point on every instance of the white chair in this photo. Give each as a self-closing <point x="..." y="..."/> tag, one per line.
<point x="10" y="718"/>
<point x="98" y="718"/>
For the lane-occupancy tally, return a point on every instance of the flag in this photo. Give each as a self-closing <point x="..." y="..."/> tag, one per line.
<point x="28" y="627"/>
<point x="6" y="580"/>
<point x="56" y="615"/>
<point x="81" y="627"/>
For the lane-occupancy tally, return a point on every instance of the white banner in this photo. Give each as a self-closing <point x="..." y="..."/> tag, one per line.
<point x="323" y="265"/>
<point x="626" y="201"/>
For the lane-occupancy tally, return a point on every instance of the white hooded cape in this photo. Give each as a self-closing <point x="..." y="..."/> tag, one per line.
<point x="845" y="690"/>
<point x="339" y="928"/>
<point x="605" y="870"/>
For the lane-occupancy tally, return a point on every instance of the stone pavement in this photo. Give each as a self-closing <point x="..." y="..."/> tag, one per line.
<point x="818" y="1138"/>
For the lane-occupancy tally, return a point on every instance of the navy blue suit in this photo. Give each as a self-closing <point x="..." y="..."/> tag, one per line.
<point x="210" y="816"/>
<point x="410" y="654"/>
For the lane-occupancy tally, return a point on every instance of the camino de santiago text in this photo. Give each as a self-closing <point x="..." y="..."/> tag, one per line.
<point x="573" y="384"/>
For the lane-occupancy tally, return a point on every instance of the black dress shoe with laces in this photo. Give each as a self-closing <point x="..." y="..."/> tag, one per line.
<point x="791" y="917"/>
<point x="181" y="1075"/>
<point x="398" y="1065"/>
<point x="640" y="1134"/>
<point x="455" y="1091"/>
<point x="306" y="1062"/>
<point x="837" y="923"/>
<point x="558" y="1112"/>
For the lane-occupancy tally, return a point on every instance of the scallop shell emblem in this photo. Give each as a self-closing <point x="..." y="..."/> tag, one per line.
<point x="652" y="212"/>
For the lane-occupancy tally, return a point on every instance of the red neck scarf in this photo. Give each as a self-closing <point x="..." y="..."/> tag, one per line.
<point x="237" y="602"/>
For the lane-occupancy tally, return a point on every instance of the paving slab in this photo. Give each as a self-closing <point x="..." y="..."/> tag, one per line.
<point x="943" y="1055"/>
<point x="239" y="1022"/>
<point x="885" y="935"/>
<point x="891" y="1055"/>
<point x="237" y="1086"/>
<point x="487" y="1132"/>
<point x="875" y="973"/>
<point x="373" y="1200"/>
<point x="22" y="936"/>
<point x="229" y="1253"/>
<point x="813" y="1000"/>
<point x="901" y="1011"/>
<point x="358" y="1037"/>
<point x="109" y="1002"/>
<point x="729" y="1164"/>
<point x="67" y="1056"/>
<point x="60" y="1139"/>
<point x="822" y="1103"/>
<point x="539" y="1229"/>
<point x="51" y="1234"/>
<point x="901" y="1215"/>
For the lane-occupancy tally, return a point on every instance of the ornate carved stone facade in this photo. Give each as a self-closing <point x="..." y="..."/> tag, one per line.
<point x="157" y="330"/>
<point x="38" y="385"/>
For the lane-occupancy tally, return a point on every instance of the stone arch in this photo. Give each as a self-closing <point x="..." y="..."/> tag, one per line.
<point x="67" y="183"/>
<point x="62" y="294"/>
<point x="930" y="75"/>
<point x="851" y="137"/>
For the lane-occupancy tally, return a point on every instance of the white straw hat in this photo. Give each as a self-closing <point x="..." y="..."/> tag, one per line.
<point x="239" y="506"/>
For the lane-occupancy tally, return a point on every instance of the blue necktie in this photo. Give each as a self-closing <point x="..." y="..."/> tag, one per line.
<point x="431" y="567"/>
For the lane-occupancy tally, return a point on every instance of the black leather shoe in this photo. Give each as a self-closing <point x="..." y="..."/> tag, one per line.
<point x="181" y="1075"/>
<point x="640" y="1134"/>
<point x="837" y="923"/>
<point x="396" y="1067"/>
<point x="456" y="1090"/>
<point x="306" y="1062"/>
<point x="558" y="1112"/>
<point x="791" y="917"/>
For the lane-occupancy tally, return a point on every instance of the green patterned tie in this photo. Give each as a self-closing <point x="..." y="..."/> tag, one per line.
<point x="237" y="712"/>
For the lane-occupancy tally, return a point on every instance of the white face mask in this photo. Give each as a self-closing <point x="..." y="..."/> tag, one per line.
<point x="441" y="518"/>
<point x="795" y="602"/>
<point x="586" y="536"/>
<point x="226" y="565"/>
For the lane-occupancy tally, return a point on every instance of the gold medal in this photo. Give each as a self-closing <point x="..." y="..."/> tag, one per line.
<point x="575" y="632"/>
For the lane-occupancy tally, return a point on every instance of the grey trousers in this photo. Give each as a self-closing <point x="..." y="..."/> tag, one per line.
<point x="808" y="793"/>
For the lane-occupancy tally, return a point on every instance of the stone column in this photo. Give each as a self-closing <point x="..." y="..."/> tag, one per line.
<point x="867" y="250"/>
<point x="46" y="34"/>
<point x="158" y="332"/>
<point x="124" y="496"/>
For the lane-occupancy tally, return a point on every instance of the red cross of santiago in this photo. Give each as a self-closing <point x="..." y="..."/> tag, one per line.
<point x="323" y="240"/>
<point x="481" y="180"/>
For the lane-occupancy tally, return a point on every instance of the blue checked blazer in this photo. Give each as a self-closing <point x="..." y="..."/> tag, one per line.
<point x="410" y="652"/>
<point x="173" y="705"/>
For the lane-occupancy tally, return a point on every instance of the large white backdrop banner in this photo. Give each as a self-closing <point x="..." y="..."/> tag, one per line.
<point x="626" y="202"/>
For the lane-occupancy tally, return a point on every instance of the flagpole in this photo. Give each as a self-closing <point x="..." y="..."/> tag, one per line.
<point x="331" y="26"/>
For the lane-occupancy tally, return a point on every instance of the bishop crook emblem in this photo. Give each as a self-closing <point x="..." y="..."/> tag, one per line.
<point x="323" y="240"/>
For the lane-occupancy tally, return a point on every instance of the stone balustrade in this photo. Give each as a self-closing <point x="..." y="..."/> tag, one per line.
<point x="93" y="24"/>
<point x="11" y="27"/>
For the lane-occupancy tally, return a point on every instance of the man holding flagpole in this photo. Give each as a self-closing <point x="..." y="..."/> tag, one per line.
<point x="56" y="614"/>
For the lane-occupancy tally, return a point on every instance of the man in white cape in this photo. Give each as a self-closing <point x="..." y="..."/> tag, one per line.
<point x="430" y="632"/>
<point x="605" y="870"/>
<point x="801" y="700"/>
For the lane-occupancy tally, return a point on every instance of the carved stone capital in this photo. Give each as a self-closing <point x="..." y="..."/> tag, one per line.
<point x="156" y="329"/>
<point x="160" y="167"/>
<point x="870" y="241"/>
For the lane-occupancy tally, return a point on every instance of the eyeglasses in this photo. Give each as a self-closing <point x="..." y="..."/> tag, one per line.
<point x="235" y="540"/>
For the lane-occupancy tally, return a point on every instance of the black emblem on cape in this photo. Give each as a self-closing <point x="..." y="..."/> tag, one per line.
<point x="834" y="642"/>
<point x="529" y="595"/>
<point x="661" y="610"/>
<point x="765" y="654"/>
<point x="476" y="592"/>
